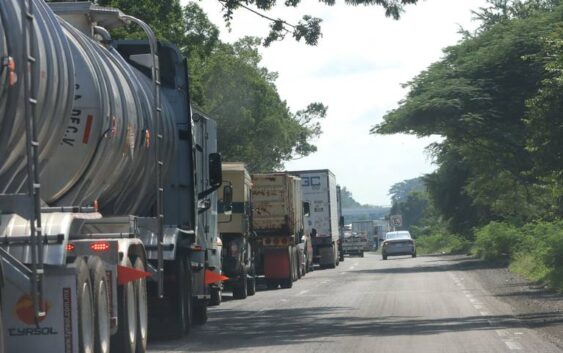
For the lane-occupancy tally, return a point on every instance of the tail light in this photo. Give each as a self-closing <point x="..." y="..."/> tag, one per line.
<point x="267" y="241"/>
<point x="69" y="247"/>
<point x="99" y="246"/>
<point x="284" y="241"/>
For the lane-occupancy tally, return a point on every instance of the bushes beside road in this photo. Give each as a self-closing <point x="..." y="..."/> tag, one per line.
<point x="441" y="243"/>
<point x="534" y="250"/>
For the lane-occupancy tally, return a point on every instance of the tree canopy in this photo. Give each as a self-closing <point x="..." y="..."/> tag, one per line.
<point x="309" y="27"/>
<point x="496" y="99"/>
<point x="228" y="81"/>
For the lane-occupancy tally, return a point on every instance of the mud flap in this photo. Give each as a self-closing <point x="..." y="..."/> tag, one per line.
<point x="58" y="330"/>
<point x="277" y="264"/>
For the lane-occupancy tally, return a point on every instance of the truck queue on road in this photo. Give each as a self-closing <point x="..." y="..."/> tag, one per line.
<point x="119" y="219"/>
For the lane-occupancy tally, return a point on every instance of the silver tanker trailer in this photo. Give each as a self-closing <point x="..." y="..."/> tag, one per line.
<point x="107" y="184"/>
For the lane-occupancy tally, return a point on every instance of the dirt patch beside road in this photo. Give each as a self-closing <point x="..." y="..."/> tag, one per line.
<point x="538" y="307"/>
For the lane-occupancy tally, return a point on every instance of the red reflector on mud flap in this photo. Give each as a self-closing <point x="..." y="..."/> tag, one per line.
<point x="127" y="274"/>
<point x="214" y="277"/>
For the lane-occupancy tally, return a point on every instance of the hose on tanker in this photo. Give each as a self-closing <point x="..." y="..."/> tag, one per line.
<point x="95" y="118"/>
<point x="54" y="74"/>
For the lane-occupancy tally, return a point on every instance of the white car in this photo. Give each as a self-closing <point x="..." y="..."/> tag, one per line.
<point x="398" y="243"/>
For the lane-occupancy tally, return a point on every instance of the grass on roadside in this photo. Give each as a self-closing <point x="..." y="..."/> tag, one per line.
<point x="440" y="243"/>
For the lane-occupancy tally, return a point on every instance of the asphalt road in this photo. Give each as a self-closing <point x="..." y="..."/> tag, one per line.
<point x="402" y="305"/>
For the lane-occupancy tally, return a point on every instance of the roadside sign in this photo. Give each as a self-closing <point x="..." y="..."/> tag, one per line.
<point x="396" y="220"/>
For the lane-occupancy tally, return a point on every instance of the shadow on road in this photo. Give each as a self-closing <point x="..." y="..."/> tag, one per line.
<point x="468" y="264"/>
<point x="230" y="329"/>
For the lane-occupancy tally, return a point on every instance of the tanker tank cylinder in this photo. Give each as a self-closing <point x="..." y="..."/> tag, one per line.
<point x="95" y="117"/>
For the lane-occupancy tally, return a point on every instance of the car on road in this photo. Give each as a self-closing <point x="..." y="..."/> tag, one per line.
<point x="398" y="243"/>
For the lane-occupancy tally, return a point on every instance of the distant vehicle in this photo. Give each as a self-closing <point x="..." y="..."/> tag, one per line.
<point x="398" y="243"/>
<point x="368" y="229"/>
<point x="354" y="243"/>
<point x="320" y="191"/>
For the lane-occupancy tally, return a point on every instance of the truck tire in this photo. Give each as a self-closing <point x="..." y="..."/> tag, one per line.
<point x="286" y="283"/>
<point x="341" y="256"/>
<point x="2" y="348"/>
<point x="102" y="320"/>
<point x="384" y="257"/>
<point x="200" y="312"/>
<point x="362" y="254"/>
<point x="126" y="338"/>
<point x="142" y="308"/>
<point x="179" y="297"/>
<point x="85" y="307"/>
<point x="215" y="296"/>
<point x="251" y="283"/>
<point x="240" y="291"/>
<point x="414" y="254"/>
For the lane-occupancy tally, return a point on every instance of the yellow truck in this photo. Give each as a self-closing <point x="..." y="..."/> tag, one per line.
<point x="277" y="219"/>
<point x="235" y="231"/>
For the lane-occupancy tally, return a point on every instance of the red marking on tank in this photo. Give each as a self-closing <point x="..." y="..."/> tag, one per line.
<point x="87" y="129"/>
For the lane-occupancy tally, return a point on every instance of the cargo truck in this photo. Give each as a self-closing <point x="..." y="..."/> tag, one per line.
<point x="277" y="219"/>
<point x="319" y="190"/>
<point x="367" y="229"/>
<point x="235" y="231"/>
<point x="106" y="183"/>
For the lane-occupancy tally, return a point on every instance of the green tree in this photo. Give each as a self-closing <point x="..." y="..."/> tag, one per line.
<point x="481" y="98"/>
<point x="255" y="125"/>
<point x="400" y="191"/>
<point x="309" y="27"/>
<point x="348" y="200"/>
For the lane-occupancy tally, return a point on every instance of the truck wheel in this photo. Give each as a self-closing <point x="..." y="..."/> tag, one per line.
<point x="384" y="257"/>
<point x="85" y="307"/>
<point x="1" y="333"/>
<point x="362" y="254"/>
<point x="215" y="296"/>
<point x="414" y="254"/>
<point x="142" y="308"/>
<point x="341" y="256"/>
<point x="101" y="305"/>
<point x="179" y="296"/>
<point x="286" y="283"/>
<point x="200" y="312"/>
<point x="240" y="291"/>
<point x="251" y="283"/>
<point x="126" y="338"/>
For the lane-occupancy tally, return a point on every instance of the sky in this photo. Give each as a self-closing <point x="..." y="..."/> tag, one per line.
<point x="357" y="70"/>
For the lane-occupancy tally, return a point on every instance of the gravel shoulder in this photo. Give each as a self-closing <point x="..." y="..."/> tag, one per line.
<point x="539" y="308"/>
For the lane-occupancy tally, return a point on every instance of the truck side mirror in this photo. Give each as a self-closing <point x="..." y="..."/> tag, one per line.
<point x="215" y="171"/>
<point x="227" y="199"/>
<point x="306" y="209"/>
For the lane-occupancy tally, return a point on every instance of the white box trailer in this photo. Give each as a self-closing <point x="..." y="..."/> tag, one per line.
<point x="319" y="189"/>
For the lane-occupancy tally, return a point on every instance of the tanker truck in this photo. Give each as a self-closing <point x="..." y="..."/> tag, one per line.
<point x="107" y="182"/>
<point x="277" y="219"/>
<point x="236" y="233"/>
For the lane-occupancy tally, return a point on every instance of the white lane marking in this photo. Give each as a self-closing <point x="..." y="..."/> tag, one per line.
<point x="478" y="307"/>
<point x="303" y="292"/>
<point x="283" y="300"/>
<point x="514" y="346"/>
<point x="326" y="281"/>
<point x="351" y="268"/>
<point x="518" y="333"/>
<point x="502" y="333"/>
<point x="484" y="313"/>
